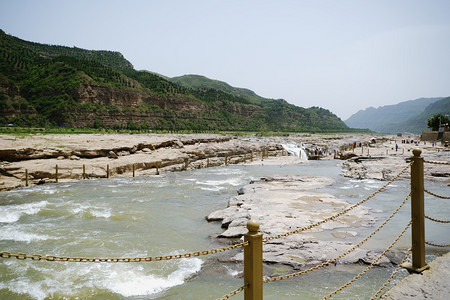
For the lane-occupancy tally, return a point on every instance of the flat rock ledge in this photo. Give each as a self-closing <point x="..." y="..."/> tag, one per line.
<point x="431" y="284"/>
<point x="284" y="203"/>
<point x="145" y="154"/>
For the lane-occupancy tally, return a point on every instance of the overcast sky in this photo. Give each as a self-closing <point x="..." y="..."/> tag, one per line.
<point x="342" y="55"/>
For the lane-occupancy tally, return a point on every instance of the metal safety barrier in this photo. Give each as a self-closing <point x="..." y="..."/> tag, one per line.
<point x="253" y="242"/>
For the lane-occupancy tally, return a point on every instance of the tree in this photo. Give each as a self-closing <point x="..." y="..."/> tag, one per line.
<point x="436" y="120"/>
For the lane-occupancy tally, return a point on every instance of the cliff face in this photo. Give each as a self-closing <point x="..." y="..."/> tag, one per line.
<point x="95" y="94"/>
<point x="12" y="105"/>
<point x="144" y="107"/>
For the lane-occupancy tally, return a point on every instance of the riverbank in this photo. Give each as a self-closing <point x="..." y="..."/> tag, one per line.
<point x="144" y="154"/>
<point x="170" y="151"/>
<point x="116" y="155"/>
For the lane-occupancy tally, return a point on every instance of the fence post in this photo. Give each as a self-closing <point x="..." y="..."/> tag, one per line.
<point x="107" y="171"/>
<point x="26" y="177"/>
<point x="56" y="173"/>
<point x="253" y="266"/>
<point x="417" y="214"/>
<point x="84" y="171"/>
<point x="134" y="170"/>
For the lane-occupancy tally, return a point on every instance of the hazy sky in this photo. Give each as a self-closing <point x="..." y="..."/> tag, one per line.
<point x="342" y="55"/>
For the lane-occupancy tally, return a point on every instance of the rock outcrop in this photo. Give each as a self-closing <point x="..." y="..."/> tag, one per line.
<point x="145" y="154"/>
<point x="284" y="203"/>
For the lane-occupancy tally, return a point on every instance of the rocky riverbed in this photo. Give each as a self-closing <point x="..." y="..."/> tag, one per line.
<point x="119" y="154"/>
<point x="284" y="203"/>
<point x="279" y="203"/>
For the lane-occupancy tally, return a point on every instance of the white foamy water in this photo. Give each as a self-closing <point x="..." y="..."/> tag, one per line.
<point x="12" y="213"/>
<point x="297" y="150"/>
<point x="151" y="216"/>
<point x="21" y="234"/>
<point x="138" y="283"/>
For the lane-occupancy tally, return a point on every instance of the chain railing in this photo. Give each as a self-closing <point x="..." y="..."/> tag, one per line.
<point x="436" y="220"/>
<point x="324" y="264"/>
<point x="437" y="245"/>
<point x="435" y="195"/>
<point x="233" y="293"/>
<point x="371" y="265"/>
<point x="23" y="256"/>
<point x="437" y="162"/>
<point x="343" y="212"/>
<point x="397" y="269"/>
<point x="253" y="238"/>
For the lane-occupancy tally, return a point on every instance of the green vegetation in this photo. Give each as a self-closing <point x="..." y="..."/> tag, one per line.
<point x="55" y="86"/>
<point x="435" y="121"/>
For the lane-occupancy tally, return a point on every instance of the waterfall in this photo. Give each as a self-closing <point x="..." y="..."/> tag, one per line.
<point x="297" y="150"/>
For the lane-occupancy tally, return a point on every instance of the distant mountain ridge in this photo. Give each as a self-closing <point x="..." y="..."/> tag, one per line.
<point x="408" y="116"/>
<point x="46" y="85"/>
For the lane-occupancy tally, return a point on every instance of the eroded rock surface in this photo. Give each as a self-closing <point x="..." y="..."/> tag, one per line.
<point x="284" y="203"/>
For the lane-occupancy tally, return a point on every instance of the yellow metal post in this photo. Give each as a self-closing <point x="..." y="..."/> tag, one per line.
<point x="56" y="173"/>
<point x="253" y="265"/>
<point x="417" y="214"/>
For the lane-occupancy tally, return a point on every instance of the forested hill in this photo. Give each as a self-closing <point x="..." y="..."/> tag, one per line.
<point x="408" y="116"/>
<point x="46" y="85"/>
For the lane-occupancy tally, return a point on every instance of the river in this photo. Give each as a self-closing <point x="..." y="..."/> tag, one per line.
<point x="165" y="215"/>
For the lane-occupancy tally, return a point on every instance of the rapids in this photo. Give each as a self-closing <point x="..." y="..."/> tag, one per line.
<point x="164" y="215"/>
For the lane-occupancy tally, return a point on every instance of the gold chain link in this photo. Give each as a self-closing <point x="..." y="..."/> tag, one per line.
<point x="436" y="245"/>
<point x="343" y="212"/>
<point x="371" y="265"/>
<point x="233" y="293"/>
<point x="22" y="256"/>
<point x="324" y="264"/>
<point x="392" y="276"/>
<point x="435" y="195"/>
<point x="437" y="162"/>
<point x="436" y="220"/>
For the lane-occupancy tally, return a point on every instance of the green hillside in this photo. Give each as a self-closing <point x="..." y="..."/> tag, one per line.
<point x="392" y="118"/>
<point x="199" y="82"/>
<point x="46" y="85"/>
<point x="418" y="124"/>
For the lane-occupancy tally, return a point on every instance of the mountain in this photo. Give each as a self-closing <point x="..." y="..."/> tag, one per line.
<point x="202" y="82"/>
<point x="418" y="123"/>
<point x="393" y="118"/>
<point x="47" y="85"/>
